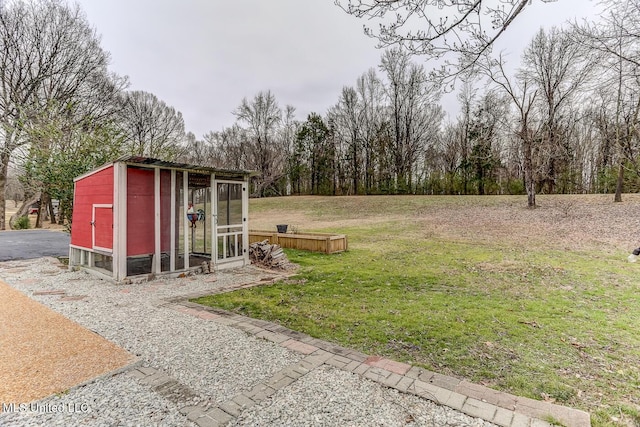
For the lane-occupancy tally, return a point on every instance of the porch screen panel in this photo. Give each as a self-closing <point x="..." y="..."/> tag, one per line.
<point x="230" y="223"/>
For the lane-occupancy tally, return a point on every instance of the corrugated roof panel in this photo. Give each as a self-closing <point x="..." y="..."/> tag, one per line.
<point x="186" y="166"/>
<point x="148" y="161"/>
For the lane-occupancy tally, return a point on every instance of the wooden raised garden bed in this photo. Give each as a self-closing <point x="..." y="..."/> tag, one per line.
<point x="315" y="242"/>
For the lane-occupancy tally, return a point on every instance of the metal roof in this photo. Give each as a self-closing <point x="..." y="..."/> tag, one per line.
<point x="148" y="161"/>
<point x="163" y="164"/>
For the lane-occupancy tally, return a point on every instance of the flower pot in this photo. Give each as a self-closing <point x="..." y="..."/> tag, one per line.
<point x="282" y="228"/>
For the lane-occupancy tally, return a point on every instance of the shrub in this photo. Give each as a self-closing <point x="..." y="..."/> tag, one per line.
<point x="22" y="223"/>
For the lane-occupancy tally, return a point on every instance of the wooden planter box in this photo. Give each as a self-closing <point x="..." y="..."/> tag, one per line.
<point x="314" y="242"/>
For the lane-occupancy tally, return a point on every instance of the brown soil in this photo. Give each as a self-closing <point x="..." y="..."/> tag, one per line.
<point x="43" y="352"/>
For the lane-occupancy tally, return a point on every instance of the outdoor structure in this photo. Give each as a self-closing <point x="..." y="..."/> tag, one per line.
<point x="314" y="242"/>
<point x="130" y="218"/>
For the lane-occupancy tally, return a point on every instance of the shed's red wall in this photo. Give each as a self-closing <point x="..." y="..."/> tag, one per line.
<point x="140" y="224"/>
<point x="93" y="189"/>
<point x="97" y="188"/>
<point x="140" y="208"/>
<point x="165" y="210"/>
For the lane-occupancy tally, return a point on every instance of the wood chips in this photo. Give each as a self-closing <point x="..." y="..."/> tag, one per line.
<point x="43" y="352"/>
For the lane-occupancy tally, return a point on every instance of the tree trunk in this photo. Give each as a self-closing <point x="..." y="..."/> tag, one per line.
<point x="4" y="168"/>
<point x="24" y="209"/>
<point x="367" y="169"/>
<point x="46" y="200"/>
<point x="529" y="183"/>
<point x="619" y="183"/>
<point x="63" y="210"/>
<point x="52" y="213"/>
<point x="356" y="170"/>
<point x="42" y="211"/>
<point x="39" y="217"/>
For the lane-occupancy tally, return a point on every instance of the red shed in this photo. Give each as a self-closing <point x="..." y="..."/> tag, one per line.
<point x="140" y="216"/>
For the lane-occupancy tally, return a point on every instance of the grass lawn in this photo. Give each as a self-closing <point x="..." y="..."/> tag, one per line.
<point x="538" y="303"/>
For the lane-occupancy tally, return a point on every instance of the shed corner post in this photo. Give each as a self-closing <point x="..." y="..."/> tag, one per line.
<point x="120" y="221"/>
<point x="172" y="252"/>
<point x="213" y="187"/>
<point x="185" y="202"/>
<point x="72" y="263"/>
<point x="245" y="220"/>
<point x="157" y="255"/>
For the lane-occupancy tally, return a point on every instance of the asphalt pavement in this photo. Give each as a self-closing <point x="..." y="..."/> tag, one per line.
<point x="29" y="244"/>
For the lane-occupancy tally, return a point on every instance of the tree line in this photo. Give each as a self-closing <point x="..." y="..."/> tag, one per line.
<point x="563" y="118"/>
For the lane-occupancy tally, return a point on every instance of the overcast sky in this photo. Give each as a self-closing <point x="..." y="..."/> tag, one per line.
<point x="202" y="56"/>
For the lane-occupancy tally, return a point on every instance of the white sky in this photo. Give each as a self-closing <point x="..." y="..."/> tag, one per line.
<point x="203" y="56"/>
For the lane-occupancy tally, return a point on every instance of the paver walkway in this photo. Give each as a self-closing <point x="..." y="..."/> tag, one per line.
<point x="475" y="400"/>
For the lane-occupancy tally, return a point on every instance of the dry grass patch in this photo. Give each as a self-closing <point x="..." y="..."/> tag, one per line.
<point x="571" y="222"/>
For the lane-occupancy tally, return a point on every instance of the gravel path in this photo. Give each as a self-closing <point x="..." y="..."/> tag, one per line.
<point x="348" y="400"/>
<point x="214" y="361"/>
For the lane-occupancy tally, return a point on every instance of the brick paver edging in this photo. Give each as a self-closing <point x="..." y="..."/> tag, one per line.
<point x="475" y="400"/>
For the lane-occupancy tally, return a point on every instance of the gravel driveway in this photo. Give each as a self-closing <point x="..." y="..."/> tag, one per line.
<point x="208" y="362"/>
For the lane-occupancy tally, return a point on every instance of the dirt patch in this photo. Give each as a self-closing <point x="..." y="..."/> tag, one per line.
<point x="10" y="209"/>
<point x="43" y="352"/>
<point x="591" y="222"/>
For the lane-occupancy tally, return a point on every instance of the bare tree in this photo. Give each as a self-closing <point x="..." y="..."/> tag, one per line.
<point x="466" y="98"/>
<point x="449" y="150"/>
<point x="151" y="127"/>
<point x="263" y="117"/>
<point x="49" y="53"/>
<point x="616" y="33"/>
<point x="371" y="93"/>
<point x="346" y="118"/>
<point x="616" y="39"/>
<point x="558" y="67"/>
<point x="193" y="149"/>
<point x="413" y="110"/>
<point x="484" y="159"/>
<point x="14" y="189"/>
<point x="287" y="137"/>
<point x="438" y="28"/>
<point x="519" y="91"/>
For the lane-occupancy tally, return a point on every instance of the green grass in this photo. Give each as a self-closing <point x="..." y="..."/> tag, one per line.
<point x="541" y="323"/>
